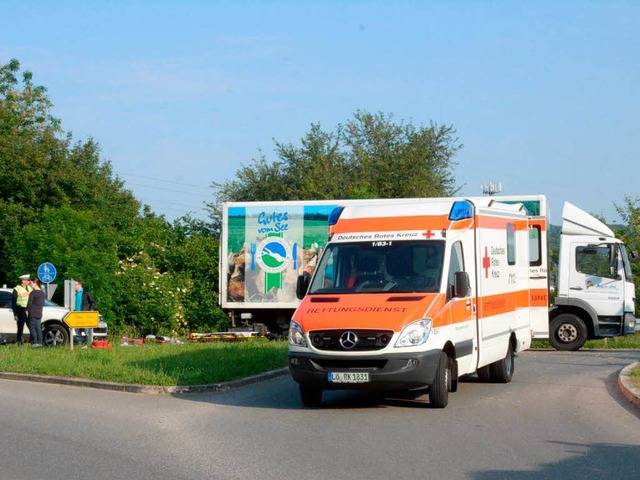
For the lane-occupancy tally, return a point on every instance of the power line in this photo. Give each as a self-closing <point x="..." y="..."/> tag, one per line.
<point x="202" y="195"/>
<point x="171" y="182"/>
<point x="162" y="202"/>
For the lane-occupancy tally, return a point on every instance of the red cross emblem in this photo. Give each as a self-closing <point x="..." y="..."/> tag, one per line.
<point x="486" y="262"/>
<point x="428" y="234"/>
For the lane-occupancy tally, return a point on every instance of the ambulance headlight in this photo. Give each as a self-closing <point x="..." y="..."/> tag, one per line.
<point x="415" y="334"/>
<point x="296" y="336"/>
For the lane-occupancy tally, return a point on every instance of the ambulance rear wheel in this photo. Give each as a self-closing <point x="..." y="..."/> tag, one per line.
<point x="502" y="370"/>
<point x="567" y="332"/>
<point x="441" y="386"/>
<point x="311" y="396"/>
<point x="484" y="373"/>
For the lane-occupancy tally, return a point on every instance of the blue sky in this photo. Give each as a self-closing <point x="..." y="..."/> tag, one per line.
<point x="544" y="95"/>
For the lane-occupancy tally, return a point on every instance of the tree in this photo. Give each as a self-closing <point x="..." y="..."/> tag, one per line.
<point x="630" y="235"/>
<point x="369" y="157"/>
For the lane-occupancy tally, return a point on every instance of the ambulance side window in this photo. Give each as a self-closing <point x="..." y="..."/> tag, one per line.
<point x="535" y="246"/>
<point x="511" y="244"/>
<point x="456" y="264"/>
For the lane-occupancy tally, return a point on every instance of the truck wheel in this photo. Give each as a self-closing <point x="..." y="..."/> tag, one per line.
<point x="54" y="335"/>
<point x="441" y="386"/>
<point x="311" y="396"/>
<point x="567" y="332"/>
<point x="502" y="370"/>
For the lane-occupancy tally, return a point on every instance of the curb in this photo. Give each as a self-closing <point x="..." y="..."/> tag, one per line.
<point x="627" y="387"/>
<point x="146" y="389"/>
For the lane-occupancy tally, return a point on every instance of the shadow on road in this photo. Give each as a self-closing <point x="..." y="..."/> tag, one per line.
<point x="593" y="462"/>
<point x="282" y="393"/>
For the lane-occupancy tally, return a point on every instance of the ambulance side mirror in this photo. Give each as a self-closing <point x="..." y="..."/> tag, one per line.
<point x="462" y="286"/>
<point x="302" y="285"/>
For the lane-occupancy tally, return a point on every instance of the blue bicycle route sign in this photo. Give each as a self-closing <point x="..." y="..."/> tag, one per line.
<point x="47" y="272"/>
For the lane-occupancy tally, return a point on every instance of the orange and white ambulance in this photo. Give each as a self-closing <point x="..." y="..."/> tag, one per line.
<point x="413" y="295"/>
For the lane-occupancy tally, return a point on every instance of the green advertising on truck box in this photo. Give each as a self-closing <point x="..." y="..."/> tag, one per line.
<point x="265" y="247"/>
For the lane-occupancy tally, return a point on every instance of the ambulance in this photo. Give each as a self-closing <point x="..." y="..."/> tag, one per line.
<point x="412" y="296"/>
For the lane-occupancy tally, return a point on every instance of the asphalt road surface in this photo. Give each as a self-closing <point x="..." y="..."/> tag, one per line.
<point x="560" y="418"/>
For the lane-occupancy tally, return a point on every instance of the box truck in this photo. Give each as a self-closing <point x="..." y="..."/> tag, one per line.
<point x="411" y="296"/>
<point x="264" y="247"/>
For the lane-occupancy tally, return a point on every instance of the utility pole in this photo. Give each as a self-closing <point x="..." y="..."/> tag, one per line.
<point x="491" y="188"/>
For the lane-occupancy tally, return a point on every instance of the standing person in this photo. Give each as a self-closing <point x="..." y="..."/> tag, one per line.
<point x="19" y="299"/>
<point x="84" y="303"/>
<point x="34" y="313"/>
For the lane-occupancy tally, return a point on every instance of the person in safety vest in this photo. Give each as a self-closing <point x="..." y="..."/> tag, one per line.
<point x="20" y="297"/>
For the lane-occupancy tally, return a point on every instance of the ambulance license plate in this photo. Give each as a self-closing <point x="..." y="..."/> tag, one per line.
<point x="348" y="377"/>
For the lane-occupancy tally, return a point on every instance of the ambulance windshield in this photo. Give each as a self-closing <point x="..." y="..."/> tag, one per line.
<point x="380" y="266"/>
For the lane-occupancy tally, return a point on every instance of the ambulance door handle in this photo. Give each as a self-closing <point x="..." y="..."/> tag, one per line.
<point x="575" y="288"/>
<point x="468" y="303"/>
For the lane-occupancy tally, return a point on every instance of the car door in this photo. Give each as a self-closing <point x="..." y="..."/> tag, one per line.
<point x="7" y="323"/>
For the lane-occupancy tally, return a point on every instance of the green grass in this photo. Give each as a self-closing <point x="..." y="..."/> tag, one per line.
<point x="628" y="341"/>
<point x="635" y="375"/>
<point x="150" y="364"/>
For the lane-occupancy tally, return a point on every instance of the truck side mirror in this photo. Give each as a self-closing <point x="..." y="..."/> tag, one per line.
<point x="633" y="256"/>
<point x="462" y="285"/>
<point x="302" y="285"/>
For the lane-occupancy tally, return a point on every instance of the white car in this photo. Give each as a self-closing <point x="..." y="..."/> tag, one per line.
<point x="54" y="331"/>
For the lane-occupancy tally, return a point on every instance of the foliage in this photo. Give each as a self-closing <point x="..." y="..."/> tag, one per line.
<point x="60" y="202"/>
<point x="195" y="256"/>
<point x="368" y="157"/>
<point x="630" y="235"/>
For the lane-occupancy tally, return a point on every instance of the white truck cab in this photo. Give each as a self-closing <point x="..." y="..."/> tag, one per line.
<point x="595" y="289"/>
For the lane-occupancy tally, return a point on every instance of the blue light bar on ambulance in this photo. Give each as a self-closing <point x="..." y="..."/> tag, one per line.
<point x="335" y="215"/>
<point x="460" y="210"/>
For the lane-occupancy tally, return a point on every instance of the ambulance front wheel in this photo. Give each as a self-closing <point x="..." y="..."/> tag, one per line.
<point x="442" y="383"/>
<point x="567" y="332"/>
<point x="311" y="396"/>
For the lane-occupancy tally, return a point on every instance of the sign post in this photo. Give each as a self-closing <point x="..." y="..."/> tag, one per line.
<point x="81" y="320"/>
<point x="47" y="274"/>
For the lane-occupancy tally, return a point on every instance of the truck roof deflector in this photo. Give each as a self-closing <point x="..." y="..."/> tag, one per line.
<point x="578" y="222"/>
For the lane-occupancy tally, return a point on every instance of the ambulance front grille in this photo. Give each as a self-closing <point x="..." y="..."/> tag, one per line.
<point x="350" y="364"/>
<point x="350" y="340"/>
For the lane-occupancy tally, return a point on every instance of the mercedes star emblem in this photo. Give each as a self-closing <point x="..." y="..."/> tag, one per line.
<point x="348" y="340"/>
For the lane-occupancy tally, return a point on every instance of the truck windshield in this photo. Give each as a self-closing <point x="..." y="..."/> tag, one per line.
<point x="380" y="266"/>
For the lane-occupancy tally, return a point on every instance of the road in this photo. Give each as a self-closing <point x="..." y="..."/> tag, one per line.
<point x="560" y="418"/>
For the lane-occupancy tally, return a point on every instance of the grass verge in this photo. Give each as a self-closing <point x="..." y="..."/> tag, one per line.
<point x="635" y="375"/>
<point x="150" y="364"/>
<point x="626" y="342"/>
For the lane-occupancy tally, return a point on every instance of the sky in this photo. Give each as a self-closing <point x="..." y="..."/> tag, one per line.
<point x="544" y="95"/>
